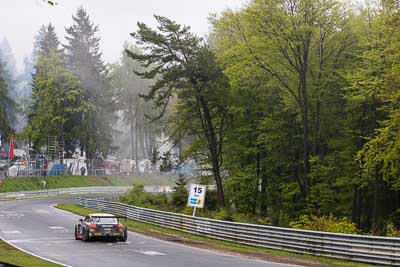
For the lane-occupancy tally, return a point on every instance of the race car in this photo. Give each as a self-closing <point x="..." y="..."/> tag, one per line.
<point x="98" y="226"/>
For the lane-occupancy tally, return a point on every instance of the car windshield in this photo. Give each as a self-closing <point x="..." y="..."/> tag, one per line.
<point x="104" y="220"/>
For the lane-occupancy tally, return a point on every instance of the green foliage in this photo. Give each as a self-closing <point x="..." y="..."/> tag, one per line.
<point x="223" y="215"/>
<point x="83" y="58"/>
<point x="325" y="224"/>
<point x="16" y="257"/>
<point x="34" y="183"/>
<point x="392" y="231"/>
<point x="166" y="162"/>
<point x="127" y="88"/>
<point x="5" y="102"/>
<point x="138" y="197"/>
<point x="57" y="99"/>
<point x="186" y="71"/>
<point x="180" y="195"/>
<point x="293" y="106"/>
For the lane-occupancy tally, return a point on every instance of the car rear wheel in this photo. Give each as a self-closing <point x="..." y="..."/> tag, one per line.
<point x="85" y="235"/>
<point x="125" y="237"/>
<point x="76" y="232"/>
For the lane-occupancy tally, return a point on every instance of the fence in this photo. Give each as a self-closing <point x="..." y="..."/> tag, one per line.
<point x="369" y="249"/>
<point x="80" y="191"/>
<point x="91" y="167"/>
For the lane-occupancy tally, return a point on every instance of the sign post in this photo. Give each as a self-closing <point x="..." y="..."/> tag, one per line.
<point x="196" y="197"/>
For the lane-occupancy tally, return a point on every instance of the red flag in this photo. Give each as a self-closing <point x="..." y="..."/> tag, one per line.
<point x="11" y="150"/>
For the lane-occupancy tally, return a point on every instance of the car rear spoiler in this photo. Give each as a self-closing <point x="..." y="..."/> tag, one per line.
<point x="115" y="216"/>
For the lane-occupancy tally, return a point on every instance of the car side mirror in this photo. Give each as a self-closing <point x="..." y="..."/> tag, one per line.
<point x="81" y="220"/>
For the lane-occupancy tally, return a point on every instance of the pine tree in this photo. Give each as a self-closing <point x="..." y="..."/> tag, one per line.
<point x="5" y="126"/>
<point x="185" y="67"/>
<point x="84" y="60"/>
<point x="57" y="98"/>
<point x="9" y="75"/>
<point x="46" y="41"/>
<point x="180" y="194"/>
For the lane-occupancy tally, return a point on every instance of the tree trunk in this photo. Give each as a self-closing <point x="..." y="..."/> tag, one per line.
<point x="306" y="148"/>
<point x="213" y="149"/>
<point x="357" y="206"/>
<point x="132" y="135"/>
<point x="136" y="146"/>
<point x="375" y="200"/>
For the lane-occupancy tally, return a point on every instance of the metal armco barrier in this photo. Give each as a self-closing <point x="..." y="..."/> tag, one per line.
<point x="369" y="249"/>
<point x="80" y="191"/>
<point x="66" y="191"/>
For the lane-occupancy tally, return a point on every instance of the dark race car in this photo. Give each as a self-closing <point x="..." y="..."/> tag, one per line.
<point x="98" y="226"/>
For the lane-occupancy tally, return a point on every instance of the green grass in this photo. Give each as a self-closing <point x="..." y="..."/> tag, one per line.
<point x="230" y="247"/>
<point x="11" y="255"/>
<point x="34" y="183"/>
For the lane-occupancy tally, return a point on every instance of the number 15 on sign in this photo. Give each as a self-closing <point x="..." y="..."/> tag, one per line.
<point x="196" y="197"/>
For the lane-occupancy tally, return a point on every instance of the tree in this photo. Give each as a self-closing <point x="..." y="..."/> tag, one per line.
<point x="127" y="89"/>
<point x="294" y="43"/>
<point x="166" y="162"/>
<point x="375" y="94"/>
<point x="185" y="67"/>
<point x="84" y="60"/>
<point x="8" y="64"/>
<point x="180" y="194"/>
<point x="46" y="41"/>
<point x="57" y="98"/>
<point x="5" y="102"/>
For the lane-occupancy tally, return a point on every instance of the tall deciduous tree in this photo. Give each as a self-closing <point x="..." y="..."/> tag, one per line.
<point x="295" y="43"/>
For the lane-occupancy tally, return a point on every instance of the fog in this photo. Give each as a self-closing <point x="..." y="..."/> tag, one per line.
<point x="21" y="19"/>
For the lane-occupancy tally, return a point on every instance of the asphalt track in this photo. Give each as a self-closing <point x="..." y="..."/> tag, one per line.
<point x="37" y="227"/>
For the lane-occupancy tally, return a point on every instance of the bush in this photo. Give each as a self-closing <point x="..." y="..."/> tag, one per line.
<point x="392" y="230"/>
<point x="138" y="197"/>
<point x="180" y="194"/>
<point x="324" y="224"/>
<point x="211" y="201"/>
<point x="223" y="215"/>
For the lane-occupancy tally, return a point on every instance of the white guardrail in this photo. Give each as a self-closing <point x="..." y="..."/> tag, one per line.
<point x="79" y="191"/>
<point x="369" y="249"/>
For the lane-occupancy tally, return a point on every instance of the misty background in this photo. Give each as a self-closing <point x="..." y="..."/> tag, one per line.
<point x="22" y="19"/>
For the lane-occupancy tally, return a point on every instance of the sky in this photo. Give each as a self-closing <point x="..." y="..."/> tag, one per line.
<point x="20" y="20"/>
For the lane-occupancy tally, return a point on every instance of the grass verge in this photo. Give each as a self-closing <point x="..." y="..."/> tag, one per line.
<point x="11" y="255"/>
<point x="35" y="183"/>
<point x="221" y="246"/>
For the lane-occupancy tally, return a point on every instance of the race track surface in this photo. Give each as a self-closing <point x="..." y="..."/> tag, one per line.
<point x="36" y="226"/>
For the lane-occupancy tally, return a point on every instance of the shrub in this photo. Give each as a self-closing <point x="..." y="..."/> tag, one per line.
<point x="211" y="201"/>
<point x="135" y="196"/>
<point x="325" y="224"/>
<point x="392" y="230"/>
<point x="223" y="215"/>
<point x="138" y="197"/>
<point x="180" y="194"/>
